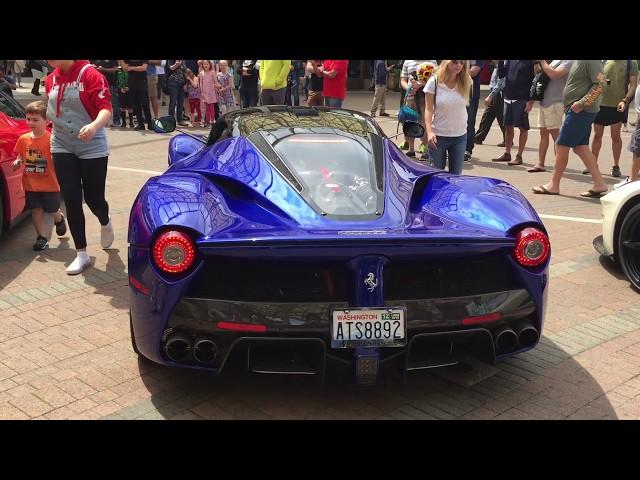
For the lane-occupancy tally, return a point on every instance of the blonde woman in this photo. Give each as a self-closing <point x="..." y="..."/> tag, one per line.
<point x="446" y="100"/>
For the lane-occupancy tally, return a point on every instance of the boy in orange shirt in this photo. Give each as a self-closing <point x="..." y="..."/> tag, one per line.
<point x="39" y="179"/>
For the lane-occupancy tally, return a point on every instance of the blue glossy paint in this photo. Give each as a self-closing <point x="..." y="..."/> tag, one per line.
<point x="234" y="202"/>
<point x="181" y="146"/>
<point x="193" y="193"/>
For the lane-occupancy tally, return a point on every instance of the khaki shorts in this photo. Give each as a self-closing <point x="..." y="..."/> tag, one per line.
<point x="551" y="117"/>
<point x="152" y="85"/>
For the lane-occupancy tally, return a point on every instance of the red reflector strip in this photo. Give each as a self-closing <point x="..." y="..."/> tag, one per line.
<point x="492" y="317"/>
<point x="138" y="286"/>
<point x="242" y="327"/>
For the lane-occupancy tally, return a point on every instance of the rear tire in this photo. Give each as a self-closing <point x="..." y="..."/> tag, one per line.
<point x="628" y="251"/>
<point x="133" y="338"/>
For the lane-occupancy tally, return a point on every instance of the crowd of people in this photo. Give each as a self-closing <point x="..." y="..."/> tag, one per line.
<point x="575" y="98"/>
<point x="83" y="97"/>
<point x="199" y="91"/>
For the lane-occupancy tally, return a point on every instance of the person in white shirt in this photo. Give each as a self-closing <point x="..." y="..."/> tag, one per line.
<point x="445" y="118"/>
<point x="551" y="112"/>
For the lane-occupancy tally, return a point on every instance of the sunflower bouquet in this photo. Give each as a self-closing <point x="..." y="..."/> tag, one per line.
<point x="424" y="72"/>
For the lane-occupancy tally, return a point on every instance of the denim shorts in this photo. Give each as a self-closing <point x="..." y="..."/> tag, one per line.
<point x="576" y="128"/>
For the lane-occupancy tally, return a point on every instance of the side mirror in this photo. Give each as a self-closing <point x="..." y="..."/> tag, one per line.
<point x="164" y="124"/>
<point x="412" y="129"/>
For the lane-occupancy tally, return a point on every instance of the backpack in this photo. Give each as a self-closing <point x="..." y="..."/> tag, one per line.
<point x="539" y="85"/>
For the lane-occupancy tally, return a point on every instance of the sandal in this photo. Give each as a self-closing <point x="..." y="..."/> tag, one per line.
<point x="536" y="169"/>
<point x="515" y="161"/>
<point x="505" y="157"/>
<point x="542" y="190"/>
<point x="593" y="194"/>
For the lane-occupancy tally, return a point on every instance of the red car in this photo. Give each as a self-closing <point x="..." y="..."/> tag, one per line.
<point x="12" y="125"/>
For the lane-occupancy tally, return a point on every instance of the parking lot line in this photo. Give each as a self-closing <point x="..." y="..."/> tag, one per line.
<point x="150" y="172"/>
<point x="570" y="219"/>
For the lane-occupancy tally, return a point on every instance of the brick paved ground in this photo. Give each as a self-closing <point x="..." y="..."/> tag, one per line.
<point x="65" y="350"/>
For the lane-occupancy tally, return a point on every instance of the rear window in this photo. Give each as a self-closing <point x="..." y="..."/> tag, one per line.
<point x="11" y="108"/>
<point x="337" y="171"/>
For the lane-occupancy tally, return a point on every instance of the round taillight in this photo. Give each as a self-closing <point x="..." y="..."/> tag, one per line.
<point x="532" y="247"/>
<point x="174" y="252"/>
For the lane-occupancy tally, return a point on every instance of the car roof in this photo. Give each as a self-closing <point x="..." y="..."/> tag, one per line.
<point x="250" y="120"/>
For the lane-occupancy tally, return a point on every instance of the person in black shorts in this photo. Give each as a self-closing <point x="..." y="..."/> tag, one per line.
<point x="620" y="74"/>
<point x="42" y="190"/>
<point x="518" y="75"/>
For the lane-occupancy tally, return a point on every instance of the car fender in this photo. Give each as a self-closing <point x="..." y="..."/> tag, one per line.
<point x="614" y="204"/>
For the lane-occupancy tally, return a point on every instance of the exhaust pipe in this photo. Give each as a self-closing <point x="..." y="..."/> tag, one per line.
<point x="205" y="350"/>
<point x="178" y="347"/>
<point x="505" y="338"/>
<point x="527" y="334"/>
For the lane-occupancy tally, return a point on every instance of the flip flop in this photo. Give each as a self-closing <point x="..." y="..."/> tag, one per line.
<point x="593" y="194"/>
<point x="541" y="190"/>
<point x="535" y="169"/>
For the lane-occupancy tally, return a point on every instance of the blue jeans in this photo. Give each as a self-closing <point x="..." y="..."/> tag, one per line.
<point x="454" y="147"/>
<point x="115" y="105"/>
<point x="333" y="102"/>
<point x="176" y="98"/>
<point x="292" y="90"/>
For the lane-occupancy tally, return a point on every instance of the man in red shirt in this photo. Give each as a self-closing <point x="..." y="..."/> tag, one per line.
<point x="334" y="87"/>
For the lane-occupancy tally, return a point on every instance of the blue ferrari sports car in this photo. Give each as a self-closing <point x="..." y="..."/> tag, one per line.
<point x="295" y="237"/>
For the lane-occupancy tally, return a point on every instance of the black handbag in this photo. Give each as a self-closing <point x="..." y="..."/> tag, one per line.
<point x="539" y="85"/>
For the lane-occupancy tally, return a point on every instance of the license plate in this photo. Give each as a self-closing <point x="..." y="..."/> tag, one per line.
<point x="374" y="327"/>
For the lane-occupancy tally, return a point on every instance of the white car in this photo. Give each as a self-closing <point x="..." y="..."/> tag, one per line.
<point x="620" y="239"/>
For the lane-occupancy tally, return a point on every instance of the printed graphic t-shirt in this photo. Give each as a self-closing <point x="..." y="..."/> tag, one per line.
<point x="583" y="76"/>
<point x="39" y="174"/>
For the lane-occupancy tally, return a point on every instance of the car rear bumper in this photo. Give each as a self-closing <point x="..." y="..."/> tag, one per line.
<point x="296" y="337"/>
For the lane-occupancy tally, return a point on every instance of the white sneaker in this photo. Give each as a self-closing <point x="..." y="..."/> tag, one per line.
<point x="81" y="262"/>
<point x="106" y="234"/>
